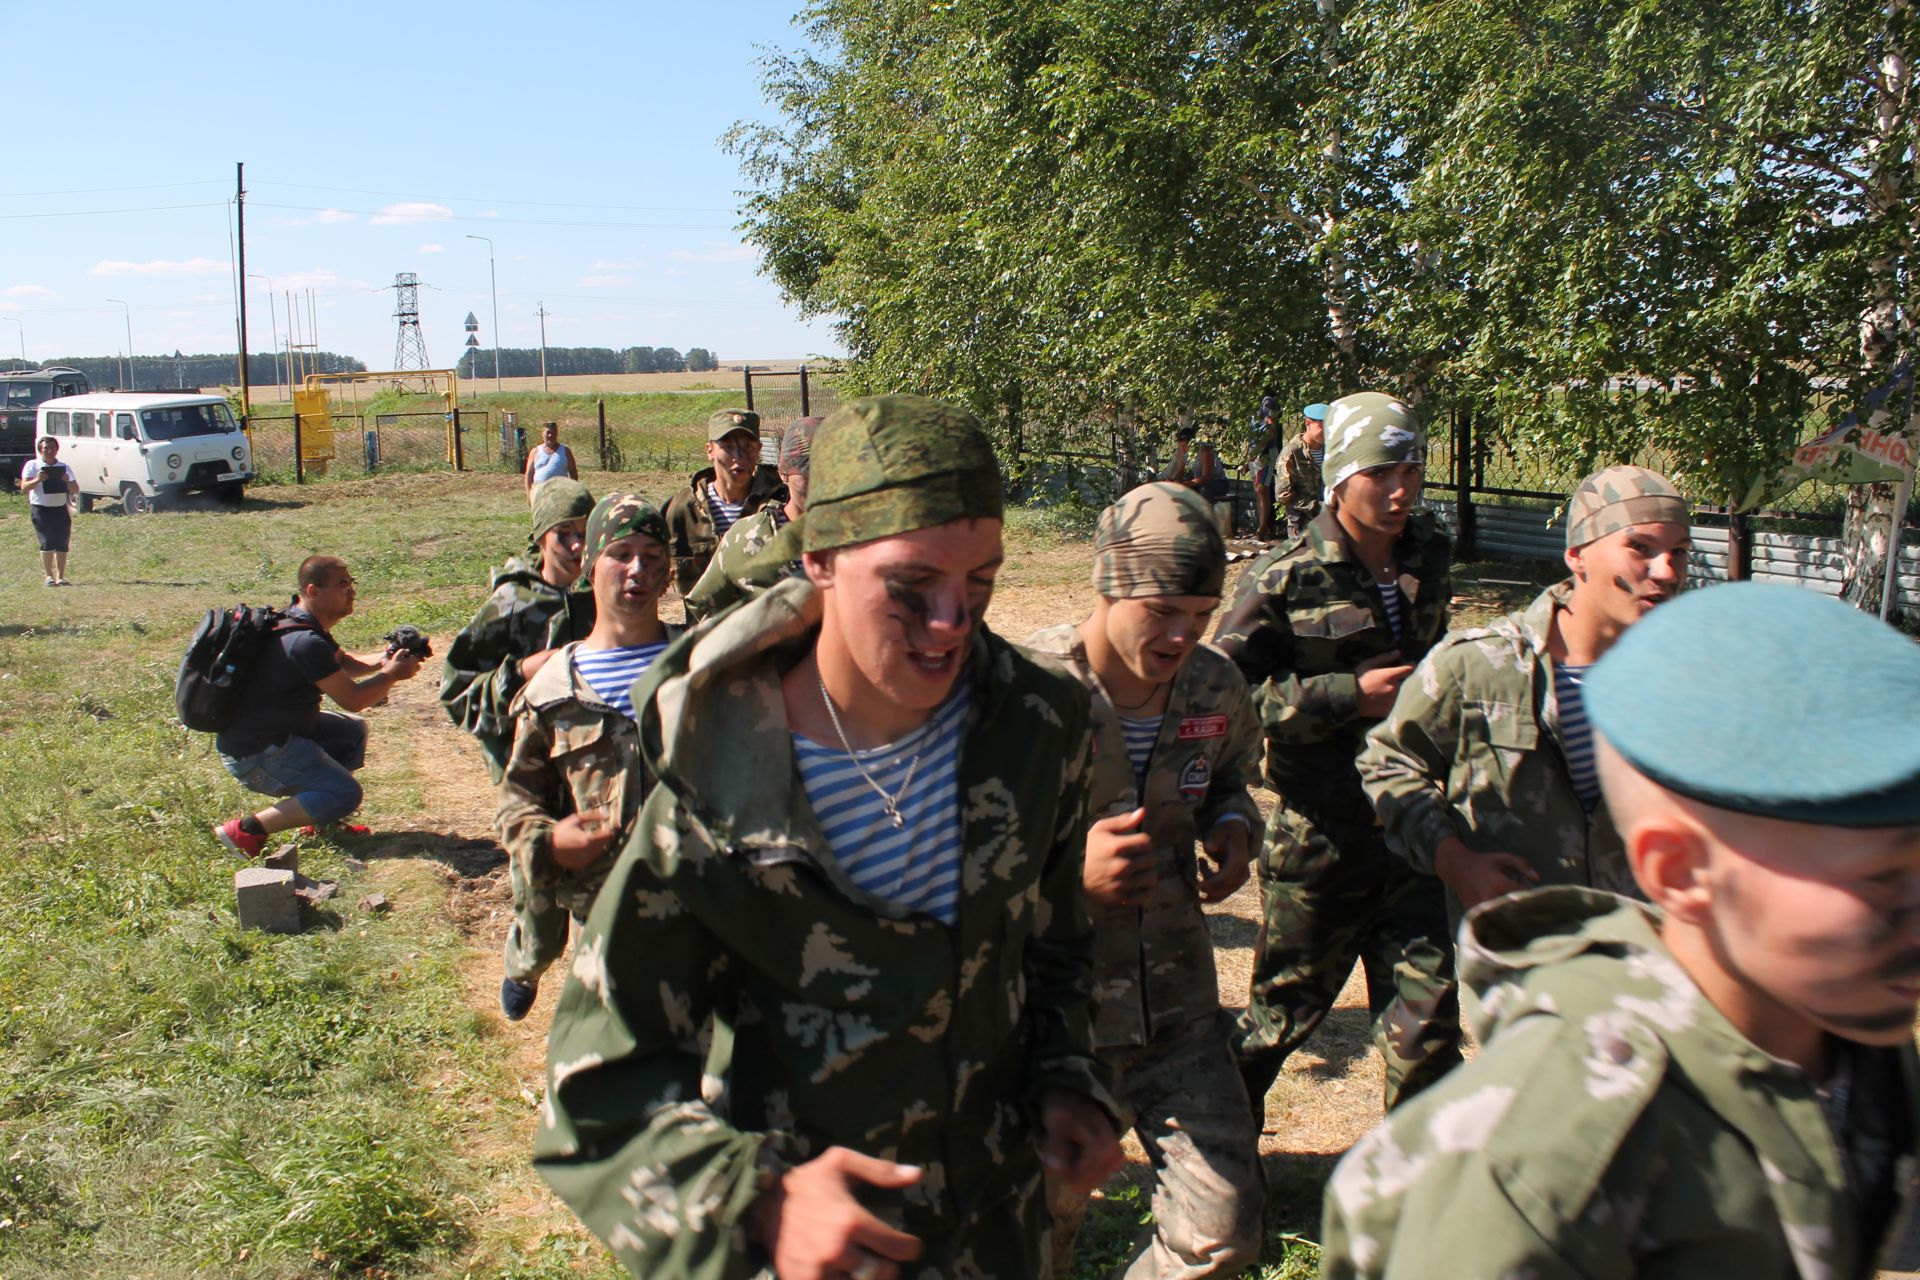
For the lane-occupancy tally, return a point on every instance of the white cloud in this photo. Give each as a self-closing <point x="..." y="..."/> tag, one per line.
<point x="190" y="267"/>
<point x="411" y="211"/>
<point x="209" y="298"/>
<point x="333" y="215"/>
<point x="26" y="291"/>
<point x="603" y="282"/>
<point x="603" y="265"/>
<point x="431" y="248"/>
<point x="321" y="280"/>
<point x="715" y="251"/>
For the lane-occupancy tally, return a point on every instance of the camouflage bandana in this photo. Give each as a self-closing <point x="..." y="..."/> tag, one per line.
<point x="796" y="446"/>
<point x="1369" y="430"/>
<point x="557" y="501"/>
<point x="614" y="517"/>
<point x="894" y="464"/>
<point x="1619" y="498"/>
<point x="1158" y="540"/>
<point x="724" y="422"/>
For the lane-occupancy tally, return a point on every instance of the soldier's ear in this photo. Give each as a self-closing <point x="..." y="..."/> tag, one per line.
<point x="1576" y="563"/>
<point x="819" y="567"/>
<point x="1670" y="859"/>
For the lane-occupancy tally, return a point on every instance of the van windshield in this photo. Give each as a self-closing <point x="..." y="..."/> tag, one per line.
<point x="25" y="395"/>
<point x="180" y="421"/>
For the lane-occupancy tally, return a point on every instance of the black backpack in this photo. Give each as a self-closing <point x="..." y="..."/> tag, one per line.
<point x="218" y="667"/>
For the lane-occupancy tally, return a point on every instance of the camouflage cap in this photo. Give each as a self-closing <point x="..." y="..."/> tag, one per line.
<point x="614" y="517"/>
<point x="1619" y="498"/>
<point x="1767" y="699"/>
<point x="1158" y="540"/>
<point x="796" y="446"/>
<point x="1366" y="430"/>
<point x="557" y="501"/>
<point x="893" y="464"/>
<point x="724" y="422"/>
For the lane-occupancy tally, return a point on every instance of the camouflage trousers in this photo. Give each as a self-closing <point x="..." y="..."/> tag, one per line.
<point x="1331" y="894"/>
<point x="544" y="910"/>
<point x="1182" y="1096"/>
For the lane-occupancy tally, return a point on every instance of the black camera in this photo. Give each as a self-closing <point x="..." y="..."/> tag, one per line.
<point x="409" y="639"/>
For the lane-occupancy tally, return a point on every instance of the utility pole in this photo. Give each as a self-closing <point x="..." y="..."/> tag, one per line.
<point x="129" y="318"/>
<point x="494" y="285"/>
<point x="240" y="221"/>
<point x="273" y="322"/>
<point x="542" y="313"/>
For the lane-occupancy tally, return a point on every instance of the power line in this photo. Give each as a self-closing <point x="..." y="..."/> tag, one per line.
<point x="429" y="219"/>
<point x="88" y="191"/>
<point x="538" y="204"/>
<point x="88" y="213"/>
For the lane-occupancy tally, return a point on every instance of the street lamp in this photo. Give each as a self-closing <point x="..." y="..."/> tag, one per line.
<point x="129" y="317"/>
<point x="495" y="285"/>
<point x="23" y="338"/>
<point x="273" y="320"/>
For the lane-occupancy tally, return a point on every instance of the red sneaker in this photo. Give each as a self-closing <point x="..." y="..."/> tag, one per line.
<point x="244" y="843"/>
<point x="339" y="829"/>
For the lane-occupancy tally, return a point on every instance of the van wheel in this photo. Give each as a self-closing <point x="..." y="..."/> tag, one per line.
<point x="85" y="503"/>
<point x="134" y="502"/>
<point x="233" y="494"/>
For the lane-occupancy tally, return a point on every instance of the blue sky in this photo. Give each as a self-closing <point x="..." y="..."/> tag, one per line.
<point x="583" y="138"/>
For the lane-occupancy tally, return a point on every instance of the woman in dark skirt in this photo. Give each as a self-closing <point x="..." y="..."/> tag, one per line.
<point x="51" y="489"/>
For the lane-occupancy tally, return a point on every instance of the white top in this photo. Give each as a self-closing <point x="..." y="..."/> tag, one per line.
<point x="38" y="496"/>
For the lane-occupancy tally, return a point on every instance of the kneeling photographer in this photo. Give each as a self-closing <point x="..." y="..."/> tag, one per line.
<point x="282" y="743"/>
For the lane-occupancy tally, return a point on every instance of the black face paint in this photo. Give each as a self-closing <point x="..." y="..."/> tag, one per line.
<point x="1623" y="584"/>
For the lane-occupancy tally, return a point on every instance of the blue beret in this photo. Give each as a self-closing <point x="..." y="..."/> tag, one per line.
<point x="1316" y="411"/>
<point x="1767" y="699"/>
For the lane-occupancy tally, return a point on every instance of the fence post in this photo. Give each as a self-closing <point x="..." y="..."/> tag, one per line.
<point x="746" y="373"/>
<point x="459" y="452"/>
<point x="600" y="407"/>
<point x="1463" y="528"/>
<point x="1739" y="548"/>
<point x="299" y="468"/>
<point x="806" y="408"/>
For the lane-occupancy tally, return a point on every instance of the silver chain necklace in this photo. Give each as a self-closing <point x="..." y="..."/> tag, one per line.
<point x="890" y="803"/>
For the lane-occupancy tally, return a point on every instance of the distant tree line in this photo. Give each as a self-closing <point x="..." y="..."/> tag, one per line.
<point x="524" y="362"/>
<point x="169" y="373"/>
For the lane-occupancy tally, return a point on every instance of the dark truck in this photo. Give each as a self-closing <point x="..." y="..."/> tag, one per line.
<point x="21" y="393"/>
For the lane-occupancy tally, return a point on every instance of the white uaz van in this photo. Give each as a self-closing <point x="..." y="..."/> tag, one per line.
<point x="143" y="447"/>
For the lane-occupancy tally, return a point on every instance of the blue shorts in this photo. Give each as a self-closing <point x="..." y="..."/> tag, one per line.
<point x="316" y="771"/>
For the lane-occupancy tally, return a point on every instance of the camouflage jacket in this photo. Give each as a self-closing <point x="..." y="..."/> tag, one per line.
<point x="1297" y="485"/>
<point x="571" y="753"/>
<point x="1303" y="616"/>
<point x="1617" y="1125"/>
<point x="1153" y="965"/>
<point x="738" y="570"/>
<point x="481" y="674"/>
<point x="854" y="1022"/>
<point x="690" y="536"/>
<point x="1472" y="749"/>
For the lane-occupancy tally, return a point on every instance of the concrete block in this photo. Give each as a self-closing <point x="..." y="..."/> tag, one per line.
<point x="264" y="899"/>
<point x="314" y="892"/>
<point x="285" y="858"/>
<point x="374" y="902"/>
<point x="354" y="864"/>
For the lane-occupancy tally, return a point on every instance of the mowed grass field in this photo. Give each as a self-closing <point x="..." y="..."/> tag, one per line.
<point x="179" y="1096"/>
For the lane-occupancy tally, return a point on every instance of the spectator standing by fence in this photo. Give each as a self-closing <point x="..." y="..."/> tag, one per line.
<point x="549" y="460"/>
<point x="1297" y="481"/>
<point x="51" y="490"/>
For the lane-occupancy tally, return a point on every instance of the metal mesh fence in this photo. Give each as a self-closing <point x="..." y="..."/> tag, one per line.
<point x="363" y="444"/>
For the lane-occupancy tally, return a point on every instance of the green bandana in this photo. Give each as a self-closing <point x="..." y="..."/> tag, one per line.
<point x="1368" y="430"/>
<point x="1619" y="498"/>
<point x="886" y="465"/>
<point x="614" y="517"/>
<point x="1158" y="540"/>
<point x="557" y="501"/>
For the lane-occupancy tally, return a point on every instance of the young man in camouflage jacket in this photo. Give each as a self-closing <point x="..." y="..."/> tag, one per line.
<point x="1325" y="627"/>
<point x="575" y="777"/>
<point x="1176" y="751"/>
<point x="911" y="1040"/>
<point x="733" y="480"/>
<point x="738" y="568"/>
<point x="1297" y="482"/>
<point x="529" y="614"/>
<point x="1722" y="1081"/>
<point x="1483" y="774"/>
